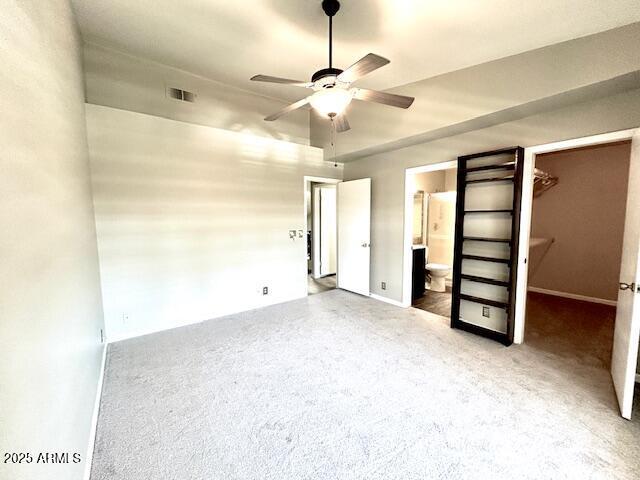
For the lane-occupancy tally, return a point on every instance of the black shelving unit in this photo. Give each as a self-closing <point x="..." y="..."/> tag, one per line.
<point x="505" y="171"/>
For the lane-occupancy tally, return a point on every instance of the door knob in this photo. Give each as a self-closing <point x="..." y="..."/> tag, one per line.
<point x="627" y="286"/>
<point x="365" y="245"/>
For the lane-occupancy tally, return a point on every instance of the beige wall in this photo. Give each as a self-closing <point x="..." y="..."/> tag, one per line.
<point x="430" y="182"/>
<point x="50" y="305"/>
<point x="193" y="221"/>
<point x="584" y="213"/>
<point x="611" y="113"/>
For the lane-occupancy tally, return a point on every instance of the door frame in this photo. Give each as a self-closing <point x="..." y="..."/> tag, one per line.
<point x="317" y="191"/>
<point x="407" y="257"/>
<point x="306" y="182"/>
<point x="526" y="210"/>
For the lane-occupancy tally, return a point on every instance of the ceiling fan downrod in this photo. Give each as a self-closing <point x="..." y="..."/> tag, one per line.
<point x="330" y="7"/>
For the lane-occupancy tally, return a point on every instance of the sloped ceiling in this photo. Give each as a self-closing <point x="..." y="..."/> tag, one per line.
<point x="229" y="41"/>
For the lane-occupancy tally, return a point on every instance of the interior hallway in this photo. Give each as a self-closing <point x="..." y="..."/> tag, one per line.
<point x="337" y="385"/>
<point x="319" y="285"/>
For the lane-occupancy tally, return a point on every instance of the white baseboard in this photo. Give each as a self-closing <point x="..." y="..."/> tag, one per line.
<point x="388" y="300"/>
<point x="94" y="418"/>
<point x="573" y="296"/>
<point x="118" y="337"/>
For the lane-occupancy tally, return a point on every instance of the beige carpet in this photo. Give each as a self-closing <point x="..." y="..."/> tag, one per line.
<point x="339" y="386"/>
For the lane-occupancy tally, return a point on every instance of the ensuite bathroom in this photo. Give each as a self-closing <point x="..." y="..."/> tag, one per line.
<point x="434" y="215"/>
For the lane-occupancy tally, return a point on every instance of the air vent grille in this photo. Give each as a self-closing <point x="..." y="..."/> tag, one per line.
<point x="182" y="95"/>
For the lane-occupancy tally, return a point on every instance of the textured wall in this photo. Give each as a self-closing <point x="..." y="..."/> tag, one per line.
<point x="193" y="221"/>
<point x="584" y="213"/>
<point x="50" y="305"/>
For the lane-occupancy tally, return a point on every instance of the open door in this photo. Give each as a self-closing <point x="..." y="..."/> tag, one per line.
<point x="627" y="329"/>
<point x="354" y="235"/>
<point x="324" y="247"/>
<point x="486" y="245"/>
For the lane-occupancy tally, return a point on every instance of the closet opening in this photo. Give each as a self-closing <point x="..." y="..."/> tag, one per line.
<point x="579" y="250"/>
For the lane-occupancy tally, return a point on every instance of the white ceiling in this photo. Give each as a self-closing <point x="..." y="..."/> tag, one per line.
<point x="231" y="40"/>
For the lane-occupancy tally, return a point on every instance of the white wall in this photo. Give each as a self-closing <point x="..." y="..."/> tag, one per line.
<point x="193" y="221"/>
<point x="118" y="80"/>
<point x="50" y="305"/>
<point x="612" y="113"/>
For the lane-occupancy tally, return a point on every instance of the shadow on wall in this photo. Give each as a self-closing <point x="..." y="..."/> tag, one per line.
<point x="193" y="221"/>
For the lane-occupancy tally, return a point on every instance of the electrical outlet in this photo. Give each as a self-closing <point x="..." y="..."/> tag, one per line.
<point x="384" y="285"/>
<point x="101" y="336"/>
<point x="265" y="290"/>
<point x="486" y="312"/>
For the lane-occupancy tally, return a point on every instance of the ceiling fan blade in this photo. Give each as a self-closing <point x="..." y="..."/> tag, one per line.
<point x="362" y="67"/>
<point x="341" y="123"/>
<point x="391" y="99"/>
<point x="290" y="108"/>
<point x="285" y="81"/>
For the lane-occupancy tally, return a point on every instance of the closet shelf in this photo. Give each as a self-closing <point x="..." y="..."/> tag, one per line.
<point x="489" y="211"/>
<point x="487" y="239"/>
<point x="491" y="179"/>
<point x="495" y="166"/>
<point x="488" y="281"/>
<point x="483" y="301"/>
<point x="486" y="259"/>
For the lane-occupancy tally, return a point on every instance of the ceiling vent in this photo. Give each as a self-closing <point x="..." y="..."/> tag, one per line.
<point x="181" y="95"/>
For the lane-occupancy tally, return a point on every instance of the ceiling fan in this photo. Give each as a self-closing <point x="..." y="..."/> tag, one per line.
<point x="332" y="86"/>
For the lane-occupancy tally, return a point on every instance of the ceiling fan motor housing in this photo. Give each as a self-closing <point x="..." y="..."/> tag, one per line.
<point x="326" y="72"/>
<point x="330" y="7"/>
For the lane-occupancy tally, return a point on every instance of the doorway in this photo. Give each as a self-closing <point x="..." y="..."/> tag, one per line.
<point x="321" y="234"/>
<point x="579" y="241"/>
<point x="430" y="212"/>
<point x="575" y="250"/>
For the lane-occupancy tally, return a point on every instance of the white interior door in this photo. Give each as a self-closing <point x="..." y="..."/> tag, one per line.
<point x="315" y="232"/>
<point x="328" y="246"/>
<point x="354" y="235"/>
<point x="627" y="329"/>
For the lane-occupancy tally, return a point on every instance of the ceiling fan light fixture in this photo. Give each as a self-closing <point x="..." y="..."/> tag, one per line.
<point x="330" y="102"/>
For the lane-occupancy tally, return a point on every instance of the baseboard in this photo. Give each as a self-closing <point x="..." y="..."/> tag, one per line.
<point x="573" y="296"/>
<point x="118" y="337"/>
<point x="94" y="418"/>
<point x="388" y="300"/>
<point x="141" y="333"/>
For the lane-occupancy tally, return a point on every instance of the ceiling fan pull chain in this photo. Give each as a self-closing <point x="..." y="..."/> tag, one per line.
<point x="332" y="138"/>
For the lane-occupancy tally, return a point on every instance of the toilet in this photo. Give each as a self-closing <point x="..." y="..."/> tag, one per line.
<point x="437" y="273"/>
